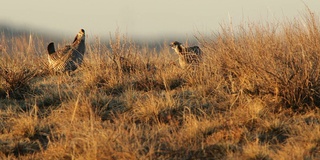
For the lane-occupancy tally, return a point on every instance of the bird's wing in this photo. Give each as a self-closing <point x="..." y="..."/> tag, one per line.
<point x="62" y="54"/>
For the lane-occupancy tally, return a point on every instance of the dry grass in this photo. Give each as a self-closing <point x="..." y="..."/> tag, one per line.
<point x="256" y="96"/>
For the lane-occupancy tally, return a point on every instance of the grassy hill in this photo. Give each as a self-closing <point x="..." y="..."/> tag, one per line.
<point x="255" y="96"/>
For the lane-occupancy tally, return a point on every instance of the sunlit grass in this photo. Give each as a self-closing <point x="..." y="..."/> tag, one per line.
<point x="255" y="96"/>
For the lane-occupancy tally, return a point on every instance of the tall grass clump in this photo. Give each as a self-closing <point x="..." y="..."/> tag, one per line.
<point x="279" y="59"/>
<point x="20" y="63"/>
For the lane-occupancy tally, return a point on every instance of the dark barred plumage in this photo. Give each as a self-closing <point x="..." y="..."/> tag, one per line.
<point x="187" y="55"/>
<point x="69" y="57"/>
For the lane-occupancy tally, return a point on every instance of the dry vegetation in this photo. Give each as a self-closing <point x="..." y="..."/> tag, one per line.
<point x="256" y="96"/>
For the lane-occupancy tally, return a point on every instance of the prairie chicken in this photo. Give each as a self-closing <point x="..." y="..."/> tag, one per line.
<point x="69" y="57"/>
<point x="187" y="55"/>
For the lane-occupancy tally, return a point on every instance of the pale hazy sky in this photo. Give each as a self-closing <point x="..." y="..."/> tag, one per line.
<point x="146" y="18"/>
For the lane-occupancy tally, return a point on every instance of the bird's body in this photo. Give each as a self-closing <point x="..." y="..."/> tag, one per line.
<point x="69" y="57"/>
<point x="187" y="55"/>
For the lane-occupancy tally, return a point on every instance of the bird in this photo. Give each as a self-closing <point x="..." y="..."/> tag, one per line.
<point x="188" y="56"/>
<point x="69" y="57"/>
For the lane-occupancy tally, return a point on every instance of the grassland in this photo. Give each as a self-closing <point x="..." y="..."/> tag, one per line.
<point x="255" y="96"/>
